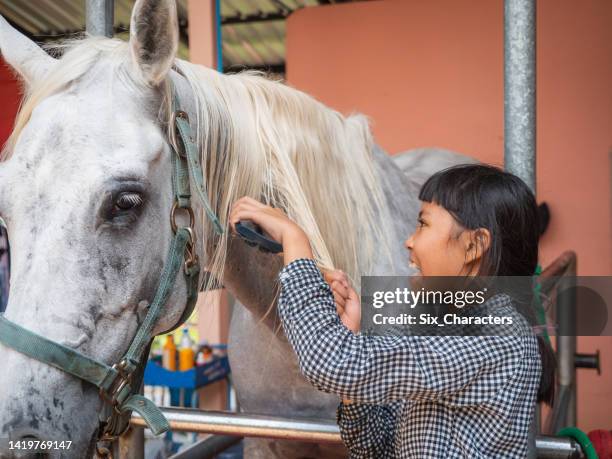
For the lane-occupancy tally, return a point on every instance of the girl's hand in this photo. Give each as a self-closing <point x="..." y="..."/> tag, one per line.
<point x="348" y="305"/>
<point x="274" y="222"/>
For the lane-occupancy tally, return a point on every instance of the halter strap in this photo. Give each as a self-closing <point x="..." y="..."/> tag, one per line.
<point x="190" y="153"/>
<point x="114" y="381"/>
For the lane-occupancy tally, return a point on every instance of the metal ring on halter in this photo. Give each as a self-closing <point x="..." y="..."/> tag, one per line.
<point x="191" y="261"/>
<point x="192" y="236"/>
<point x="123" y="379"/>
<point x="111" y="426"/>
<point x="173" y="224"/>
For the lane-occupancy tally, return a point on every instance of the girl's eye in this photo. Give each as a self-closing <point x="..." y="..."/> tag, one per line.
<point x="127" y="201"/>
<point x="421" y="222"/>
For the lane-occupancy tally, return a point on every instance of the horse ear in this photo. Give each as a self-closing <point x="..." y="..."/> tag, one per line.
<point x="154" y="38"/>
<point x="23" y="55"/>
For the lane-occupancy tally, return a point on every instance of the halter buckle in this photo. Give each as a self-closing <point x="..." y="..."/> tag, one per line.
<point x="119" y="383"/>
<point x="179" y="114"/>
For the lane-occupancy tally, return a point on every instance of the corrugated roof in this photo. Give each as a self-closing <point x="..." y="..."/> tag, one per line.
<point x="47" y="20"/>
<point x="253" y="31"/>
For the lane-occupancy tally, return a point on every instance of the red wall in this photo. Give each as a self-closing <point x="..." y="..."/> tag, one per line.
<point x="430" y="73"/>
<point x="9" y="101"/>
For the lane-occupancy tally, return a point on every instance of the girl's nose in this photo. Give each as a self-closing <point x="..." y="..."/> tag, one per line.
<point x="409" y="243"/>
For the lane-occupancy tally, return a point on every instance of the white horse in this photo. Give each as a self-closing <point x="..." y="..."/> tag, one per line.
<point x="85" y="189"/>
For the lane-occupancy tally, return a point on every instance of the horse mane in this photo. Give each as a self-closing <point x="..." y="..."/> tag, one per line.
<point x="262" y="138"/>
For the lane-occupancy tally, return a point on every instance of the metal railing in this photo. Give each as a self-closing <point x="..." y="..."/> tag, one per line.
<point x="317" y="431"/>
<point x="325" y="431"/>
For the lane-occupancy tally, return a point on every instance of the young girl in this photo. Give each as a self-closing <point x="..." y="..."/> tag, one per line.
<point x="423" y="396"/>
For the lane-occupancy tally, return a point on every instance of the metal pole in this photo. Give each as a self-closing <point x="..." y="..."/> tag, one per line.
<point x="559" y="279"/>
<point x="218" y="36"/>
<point x="566" y="350"/>
<point x="520" y="107"/>
<point x="520" y="89"/>
<point x="317" y="431"/>
<point x="99" y="17"/>
<point x="131" y="444"/>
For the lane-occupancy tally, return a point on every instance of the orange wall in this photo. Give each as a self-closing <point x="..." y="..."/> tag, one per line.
<point x="202" y="40"/>
<point x="430" y="73"/>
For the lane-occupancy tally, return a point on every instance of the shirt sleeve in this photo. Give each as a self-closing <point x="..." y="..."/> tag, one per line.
<point x="381" y="369"/>
<point x="369" y="430"/>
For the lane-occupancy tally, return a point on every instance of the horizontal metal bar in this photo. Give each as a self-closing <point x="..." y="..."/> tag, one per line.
<point x="318" y="431"/>
<point x="557" y="448"/>
<point x="268" y="68"/>
<point x="250" y="18"/>
<point x="585" y="360"/>
<point x="247" y="425"/>
<point x="117" y="29"/>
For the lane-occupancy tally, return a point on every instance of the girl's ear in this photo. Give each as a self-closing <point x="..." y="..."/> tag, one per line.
<point x="477" y="243"/>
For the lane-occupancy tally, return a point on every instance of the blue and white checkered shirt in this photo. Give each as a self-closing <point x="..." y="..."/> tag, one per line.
<point x="414" y="396"/>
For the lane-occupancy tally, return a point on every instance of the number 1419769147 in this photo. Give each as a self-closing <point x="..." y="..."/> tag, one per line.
<point x="38" y="445"/>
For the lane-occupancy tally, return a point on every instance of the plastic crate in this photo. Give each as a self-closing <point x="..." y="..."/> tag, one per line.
<point x="198" y="376"/>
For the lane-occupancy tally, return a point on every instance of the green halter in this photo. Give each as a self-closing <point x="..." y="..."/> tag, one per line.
<point x="119" y="384"/>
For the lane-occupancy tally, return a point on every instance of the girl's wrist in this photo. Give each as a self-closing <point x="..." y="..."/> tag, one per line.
<point x="295" y="245"/>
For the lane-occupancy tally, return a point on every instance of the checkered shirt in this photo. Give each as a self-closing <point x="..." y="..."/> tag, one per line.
<point x="413" y="396"/>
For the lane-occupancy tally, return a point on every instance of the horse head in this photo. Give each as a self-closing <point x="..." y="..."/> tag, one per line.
<point x="86" y="192"/>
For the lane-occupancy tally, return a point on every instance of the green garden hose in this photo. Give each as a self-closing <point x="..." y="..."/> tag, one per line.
<point x="583" y="440"/>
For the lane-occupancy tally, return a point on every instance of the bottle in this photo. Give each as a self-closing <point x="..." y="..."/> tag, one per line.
<point x="157" y="350"/>
<point x="205" y="355"/>
<point x="186" y="357"/>
<point x="169" y="354"/>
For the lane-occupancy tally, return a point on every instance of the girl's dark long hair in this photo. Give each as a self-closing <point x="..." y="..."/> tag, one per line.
<point x="483" y="196"/>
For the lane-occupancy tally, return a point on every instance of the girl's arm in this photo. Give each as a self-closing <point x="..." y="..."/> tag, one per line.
<point x="373" y="369"/>
<point x="376" y="369"/>
<point x="369" y="430"/>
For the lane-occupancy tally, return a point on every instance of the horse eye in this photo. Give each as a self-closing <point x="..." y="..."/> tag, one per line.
<point x="127" y="201"/>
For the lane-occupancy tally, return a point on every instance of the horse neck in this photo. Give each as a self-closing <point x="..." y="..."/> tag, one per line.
<point x="252" y="277"/>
